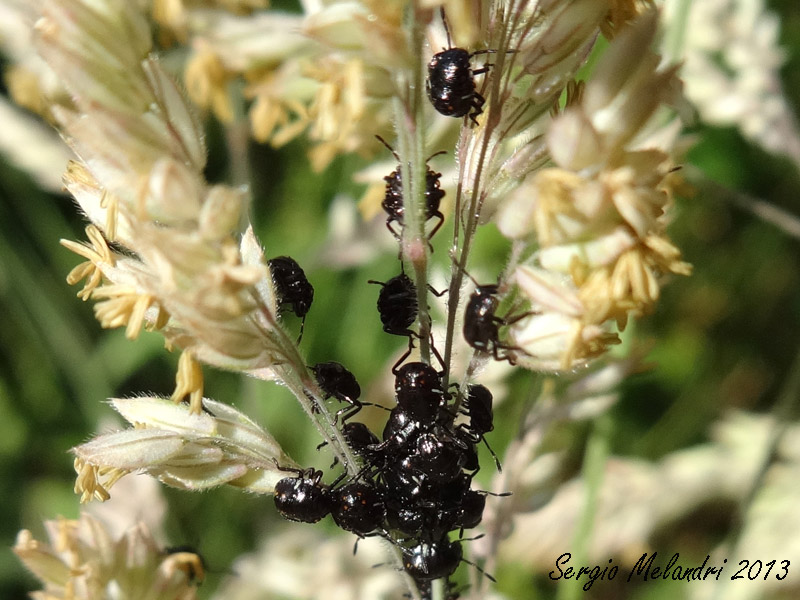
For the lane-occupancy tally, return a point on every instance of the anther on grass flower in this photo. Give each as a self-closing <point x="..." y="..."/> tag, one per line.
<point x="98" y="253"/>
<point x="207" y="84"/>
<point x="189" y="382"/>
<point x="556" y="336"/>
<point x="83" y="560"/>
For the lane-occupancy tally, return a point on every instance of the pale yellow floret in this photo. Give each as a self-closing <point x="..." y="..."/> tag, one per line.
<point x="207" y="84"/>
<point x="189" y="381"/>
<point x="337" y="110"/>
<point x="555" y="203"/>
<point x="276" y="120"/>
<point x="24" y="87"/>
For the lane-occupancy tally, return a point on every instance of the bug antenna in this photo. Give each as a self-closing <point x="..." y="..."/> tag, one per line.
<point x="396" y="366"/>
<point x="388" y="147"/>
<point x="446" y="28"/>
<point x="480" y="570"/>
<point x="494" y="456"/>
<point x="455" y="262"/>
<point x="495" y="494"/>
<point x="438" y="356"/>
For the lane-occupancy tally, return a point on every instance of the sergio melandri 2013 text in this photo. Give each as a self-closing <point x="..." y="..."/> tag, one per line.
<point x="646" y="569"/>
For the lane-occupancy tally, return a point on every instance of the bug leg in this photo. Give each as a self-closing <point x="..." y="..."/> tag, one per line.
<point x="511" y="320"/>
<point x="405" y="356"/>
<point x="385" y="143"/>
<point x="391" y="229"/>
<point x="436" y="352"/>
<point x="477" y="105"/>
<point x="433" y="291"/>
<point x="302" y="327"/>
<point x="347" y="412"/>
<point x="436" y="227"/>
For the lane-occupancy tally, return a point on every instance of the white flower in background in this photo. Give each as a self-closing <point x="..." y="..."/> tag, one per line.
<point x="731" y="70"/>
<point x="306" y="564"/>
<point x="84" y="560"/>
<point x="639" y="499"/>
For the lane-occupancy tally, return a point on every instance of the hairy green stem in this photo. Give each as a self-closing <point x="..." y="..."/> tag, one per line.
<point x="295" y="375"/>
<point x="409" y="118"/>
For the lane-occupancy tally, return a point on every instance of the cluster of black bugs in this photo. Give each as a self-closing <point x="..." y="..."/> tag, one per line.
<point x="414" y="483"/>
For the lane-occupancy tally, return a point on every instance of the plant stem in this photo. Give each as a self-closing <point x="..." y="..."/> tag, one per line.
<point x="409" y="117"/>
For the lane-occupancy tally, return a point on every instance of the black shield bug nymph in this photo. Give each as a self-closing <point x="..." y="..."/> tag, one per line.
<point x="337" y="382"/>
<point x="426" y="561"/>
<point x="292" y="288"/>
<point x="397" y="304"/>
<point x="451" y="81"/>
<point x="393" y="201"/>
<point x="481" y="325"/>
<point x="358" y="507"/>
<point x="303" y="497"/>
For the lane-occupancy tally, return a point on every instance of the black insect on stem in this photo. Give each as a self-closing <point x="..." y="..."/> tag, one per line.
<point x="482" y="325"/>
<point x="394" y="199"/>
<point x="336" y="381"/>
<point x="451" y="81"/>
<point x="358" y="507"/>
<point x="397" y="304"/>
<point x="292" y="287"/>
<point x="303" y="497"/>
<point x="478" y="407"/>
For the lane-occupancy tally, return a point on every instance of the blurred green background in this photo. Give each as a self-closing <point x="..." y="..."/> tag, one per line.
<point x="725" y="337"/>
